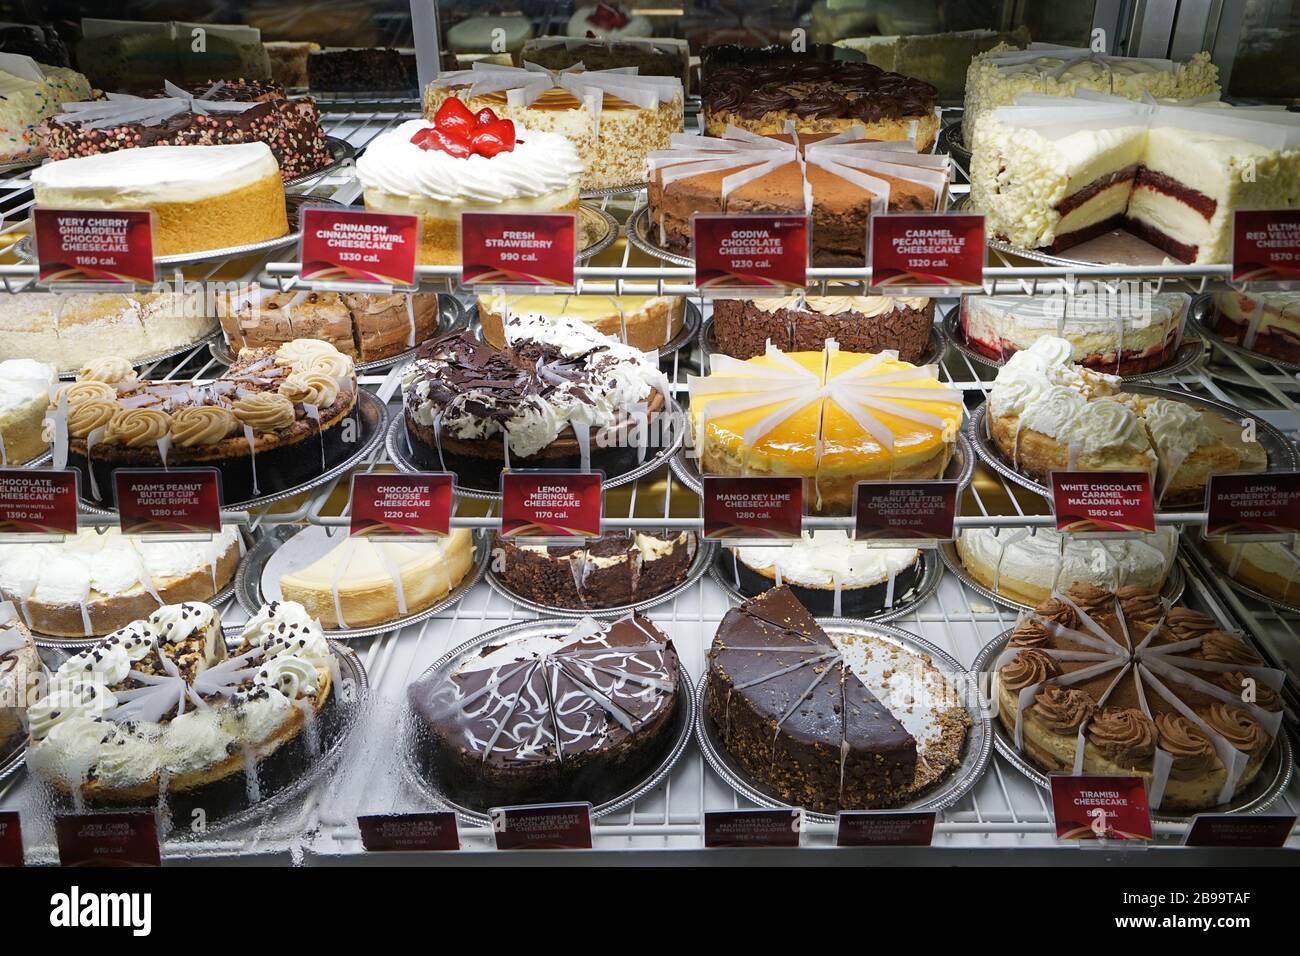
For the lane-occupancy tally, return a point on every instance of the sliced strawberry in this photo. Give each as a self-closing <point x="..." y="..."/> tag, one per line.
<point x="608" y="17"/>
<point x="434" y="138"/>
<point x="454" y="117"/>
<point x="484" y="116"/>
<point x="498" y="137"/>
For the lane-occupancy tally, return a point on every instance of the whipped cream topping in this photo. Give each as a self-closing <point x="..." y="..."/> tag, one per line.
<point x="23" y="381"/>
<point x="1038" y="559"/>
<point x="869" y="305"/>
<point x="1175" y="428"/>
<point x="829" y="558"/>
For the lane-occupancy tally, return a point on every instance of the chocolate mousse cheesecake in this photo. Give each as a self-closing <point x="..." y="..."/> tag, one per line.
<point x="743" y="327"/>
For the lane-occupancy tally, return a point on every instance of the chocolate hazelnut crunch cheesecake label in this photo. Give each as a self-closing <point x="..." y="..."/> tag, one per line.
<point x="38" y="502"/>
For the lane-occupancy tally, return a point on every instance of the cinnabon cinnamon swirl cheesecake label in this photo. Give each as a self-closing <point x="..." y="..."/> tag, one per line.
<point x="1097" y="807"/>
<point x="1255" y="506"/>
<point x="401" y="505"/>
<point x="1266" y="246"/>
<point x="353" y="245"/>
<point x="765" y="253"/>
<point x="757" y="507"/>
<point x="180" y="501"/>
<point x="113" y="246"/>
<point x="38" y="502"/>
<point x="551" y="504"/>
<point x="517" y="249"/>
<point x="1103" y="502"/>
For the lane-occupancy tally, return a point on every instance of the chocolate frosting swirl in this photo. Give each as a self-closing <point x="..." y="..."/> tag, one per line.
<point x="766" y="99"/>
<point x="1238" y="728"/>
<point x="138" y="427"/>
<point x="78" y="392"/>
<point x="821" y="102"/>
<point x="1192" y="751"/>
<point x="1062" y="710"/>
<point x="1124" y="734"/>
<point x="202" y="425"/>
<point x="1184" y="624"/>
<point x="1141" y="604"/>
<point x="1030" y="632"/>
<point x="265" y="411"/>
<point x="1029" y="667"/>
<point x="1221" y="647"/>
<point x="87" y="416"/>
<point x="1234" y="682"/>
<point x="1058" y="612"/>
<point x="1091" y="599"/>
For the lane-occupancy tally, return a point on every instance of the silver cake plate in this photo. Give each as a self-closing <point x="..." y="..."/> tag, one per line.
<point x="25" y="248"/>
<point x="1175" y="580"/>
<point x="682" y="338"/>
<point x="1195" y="542"/>
<point x="694" y="571"/>
<point x="950" y="142"/>
<point x="935" y="345"/>
<point x="613" y="191"/>
<point x="18" y="165"/>
<point x="210" y="340"/>
<point x="451" y="318"/>
<point x="1270" y="783"/>
<point x="253" y="587"/>
<point x="1190" y="352"/>
<point x="598" y="229"/>
<point x="1201" y="315"/>
<point x="640" y="233"/>
<point x="373" y="418"/>
<point x="1282" y="455"/>
<point x="942" y="795"/>
<point x="340" y="150"/>
<point x="724" y="575"/>
<point x="684" y="723"/>
<point x="397" y="445"/>
<point x="13" y="762"/>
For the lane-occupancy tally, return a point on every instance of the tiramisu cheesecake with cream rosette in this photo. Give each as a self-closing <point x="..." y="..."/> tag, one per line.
<point x="99" y="580"/>
<point x="1103" y="682"/>
<point x="1270" y="567"/>
<point x="1047" y="414"/>
<point x="1027" y="568"/>
<point x="1264" y="322"/>
<point x="202" y="197"/>
<point x="25" y="387"/>
<point x="875" y="323"/>
<point x="271" y="421"/>
<point x="561" y="395"/>
<point x="161" y="706"/>
<point x="466" y="162"/>
<point x="20" y="670"/>
<point x="832" y="417"/>
<point x="645" y="322"/>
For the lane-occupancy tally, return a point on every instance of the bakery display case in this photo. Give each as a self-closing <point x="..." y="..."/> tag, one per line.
<point x="295" y="678"/>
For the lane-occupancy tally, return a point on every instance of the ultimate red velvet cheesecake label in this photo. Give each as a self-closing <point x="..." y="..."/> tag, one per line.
<point x="1103" y="502"/>
<point x="1260" y="505"/>
<point x="108" y="839"/>
<point x="1095" y="807"/>
<point x="517" y="249"/>
<point x="1266" y="245"/>
<point x="178" y="501"/>
<point x="401" y="505"/>
<point x="94" y="245"/>
<point x="935" y="251"/>
<point x="11" y="839"/>
<point x="394" y="832"/>
<point x="555" y="504"/>
<point x="38" y="502"/>
<point x="352" y="245"/>
<point x="542" y="826"/>
<point x="770" y="828"/>
<point x="752" y="506"/>
<point x="765" y="253"/>
<point x="905" y="510"/>
<point x="884" y="828"/>
<point x="1239" y="829"/>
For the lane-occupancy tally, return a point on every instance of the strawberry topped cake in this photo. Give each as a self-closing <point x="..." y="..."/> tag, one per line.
<point x="466" y="162"/>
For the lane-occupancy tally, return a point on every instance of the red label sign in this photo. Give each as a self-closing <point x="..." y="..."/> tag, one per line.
<point x="517" y="248"/>
<point x="401" y="504"/>
<point x="752" y="507"/>
<point x="1239" y="829"/>
<point x="179" y="501"/>
<point x="543" y="826"/>
<point x="409" y="831"/>
<point x="754" y="252"/>
<point x="1093" y="502"/>
<point x="1095" y="807"/>
<point x="906" y="510"/>
<point x="1265" y="245"/>
<point x="558" y="504"/>
<point x="94" y="245"/>
<point x="107" y="839"/>
<point x="902" y="828"/>
<point x="352" y="245"/>
<point x="1266" y="505"/>
<point x="938" y="250"/>
<point x="769" y="828"/>
<point x="38" y="502"/>
<point x="11" y="839"/>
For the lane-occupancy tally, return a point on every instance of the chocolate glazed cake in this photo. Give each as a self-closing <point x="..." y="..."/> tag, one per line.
<point x="743" y="327"/>
<point x="581" y="715"/>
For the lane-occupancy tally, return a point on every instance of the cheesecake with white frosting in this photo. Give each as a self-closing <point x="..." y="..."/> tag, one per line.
<point x="1263" y="322"/>
<point x="645" y="322"/>
<point x="25" y="387"/>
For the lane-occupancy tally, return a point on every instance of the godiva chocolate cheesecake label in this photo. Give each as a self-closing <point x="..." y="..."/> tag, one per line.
<point x="755" y="252"/>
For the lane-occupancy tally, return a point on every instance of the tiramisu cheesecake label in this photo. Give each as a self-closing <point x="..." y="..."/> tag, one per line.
<point x="1265" y="505"/>
<point x="906" y="510"/>
<point x="752" y="506"/>
<point x="1265" y="245"/>
<point x="551" y="504"/>
<point x="179" y="501"/>
<point x="94" y="245"/>
<point x="1103" y="502"/>
<point x="1098" y="807"/>
<point x="356" y="246"/>
<point x="943" y="250"/>
<point x="517" y="249"/>
<point x="750" y="252"/>
<point x="38" y="502"/>
<point x="401" y="505"/>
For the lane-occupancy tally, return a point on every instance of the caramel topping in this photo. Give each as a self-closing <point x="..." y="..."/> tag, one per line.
<point x="1125" y="735"/>
<point x="1238" y="728"/>
<point x="1062" y="710"/>
<point x="110" y="369"/>
<point x="78" y="392"/>
<point x="202" y="425"/>
<point x="138" y="427"/>
<point x="300" y="353"/>
<point x="1236" y="682"/>
<point x="1192" y="751"/>
<point x="87" y="416"/>
<point x="265" y="411"/>
<point x="1224" y="648"/>
<point x="1029" y="667"/>
<point x="310" y="388"/>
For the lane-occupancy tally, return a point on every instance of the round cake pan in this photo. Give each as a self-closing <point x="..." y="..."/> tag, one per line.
<point x="252" y="594"/>
<point x="1201" y="315"/>
<point x="340" y="150"/>
<point x="935" y="346"/>
<point x="1264" y="791"/>
<point x="1194" y="541"/>
<point x="599" y="229"/>
<point x="944" y="794"/>
<point x="685" y="335"/>
<point x="210" y="340"/>
<point x="685" y="722"/>
<point x="931" y="572"/>
<point x="397" y="445"/>
<point x="641" y="235"/>
<point x="695" y="570"/>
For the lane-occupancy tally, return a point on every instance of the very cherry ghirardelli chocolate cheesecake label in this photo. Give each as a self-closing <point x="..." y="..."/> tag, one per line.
<point x="905" y="510"/>
<point x="389" y="505"/>
<point x="94" y="245"/>
<point x="1096" y="807"/>
<point x="517" y="249"/>
<point x="174" y="501"/>
<point x="38" y="502"/>
<point x="396" y="832"/>
<point x="11" y="839"/>
<point x="108" y="839"/>
<point x="353" y="245"/>
<point x="551" y="504"/>
<point x="753" y="828"/>
<point x="757" y="252"/>
<point x="927" y="251"/>
<point x="1103" y="502"/>
<point x="542" y="826"/>
<point x="884" y="827"/>
<point x="1261" y="505"/>
<point x="1266" y="246"/>
<point x="1240" y="829"/>
<point x="754" y="507"/>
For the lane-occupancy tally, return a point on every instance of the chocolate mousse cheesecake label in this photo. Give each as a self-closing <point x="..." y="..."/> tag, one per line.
<point x="936" y="252"/>
<point x="352" y="245"/>
<point x="753" y="507"/>
<point x="1266" y="246"/>
<point x="108" y="839"/>
<point x="905" y="510"/>
<point x="391" y="832"/>
<point x="551" y="504"/>
<point x="884" y="828"/>
<point x="38" y="502"/>
<point x="759" y="253"/>
<point x="1097" y="807"/>
<point x="11" y="839"/>
<point x="1103" y="502"/>
<point x="517" y="250"/>
<point x="1253" y="505"/>
<point x="747" y="828"/>
<point x="102" y="246"/>
<point x="401" y="505"/>
<point x="179" y="501"/>
<point x="542" y="826"/>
